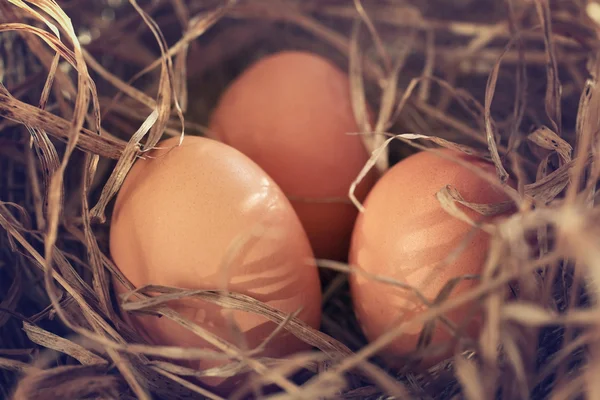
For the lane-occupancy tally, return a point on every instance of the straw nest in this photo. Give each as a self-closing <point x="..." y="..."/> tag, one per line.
<point x="89" y="85"/>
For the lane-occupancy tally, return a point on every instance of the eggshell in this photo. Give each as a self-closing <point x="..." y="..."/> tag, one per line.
<point x="405" y="234"/>
<point x="178" y="220"/>
<point x="291" y="112"/>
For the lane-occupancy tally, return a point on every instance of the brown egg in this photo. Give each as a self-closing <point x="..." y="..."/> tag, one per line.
<point x="177" y="221"/>
<point x="405" y="234"/>
<point x="291" y="112"/>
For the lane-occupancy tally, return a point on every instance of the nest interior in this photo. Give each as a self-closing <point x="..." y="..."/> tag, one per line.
<point x="87" y="86"/>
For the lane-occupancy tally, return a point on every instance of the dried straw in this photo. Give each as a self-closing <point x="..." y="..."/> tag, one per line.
<point x="89" y="87"/>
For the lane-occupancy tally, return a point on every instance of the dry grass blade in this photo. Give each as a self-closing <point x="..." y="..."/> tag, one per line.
<point x="236" y="301"/>
<point x="491" y="134"/>
<point x="547" y="188"/>
<point x="587" y="127"/>
<point x="46" y="151"/>
<point x="129" y="374"/>
<point x="520" y="104"/>
<point x="553" y="88"/>
<point x="28" y="115"/>
<point x="194" y="388"/>
<point x="357" y="88"/>
<point x="180" y="81"/>
<point x="165" y="89"/>
<point x="514" y="356"/>
<point x="455" y="329"/>
<point x="100" y="279"/>
<point x="388" y="100"/>
<point x="572" y="389"/>
<point x="468" y="375"/>
<point x="231" y="369"/>
<point x="163" y="109"/>
<point x="448" y="198"/>
<point x="126" y="161"/>
<point x="280" y="327"/>
<point x="546" y="139"/>
<point x="515" y="138"/>
<point x="483" y="209"/>
<point x="527" y="314"/>
<point x="383" y="54"/>
<point x="357" y="84"/>
<point x="583" y="249"/>
<point x="36" y="189"/>
<point x="429" y="67"/>
<point x="584" y="122"/>
<point x="388" y="384"/>
<point x="54" y="342"/>
<point x="489" y="339"/>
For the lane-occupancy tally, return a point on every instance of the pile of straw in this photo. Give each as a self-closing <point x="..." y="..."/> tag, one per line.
<point x="88" y="86"/>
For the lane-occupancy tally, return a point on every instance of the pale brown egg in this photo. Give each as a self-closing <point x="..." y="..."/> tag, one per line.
<point x="291" y="112"/>
<point x="405" y="234"/>
<point x="178" y="220"/>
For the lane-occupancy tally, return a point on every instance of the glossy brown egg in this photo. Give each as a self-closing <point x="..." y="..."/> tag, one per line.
<point x="405" y="234"/>
<point x="178" y="220"/>
<point x="291" y="112"/>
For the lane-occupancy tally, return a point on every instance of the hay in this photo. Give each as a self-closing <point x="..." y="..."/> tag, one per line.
<point x="88" y="87"/>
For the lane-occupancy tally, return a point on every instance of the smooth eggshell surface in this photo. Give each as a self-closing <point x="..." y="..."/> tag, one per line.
<point x="405" y="234"/>
<point x="291" y="112"/>
<point x="204" y="216"/>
